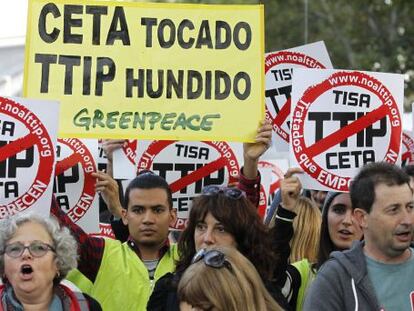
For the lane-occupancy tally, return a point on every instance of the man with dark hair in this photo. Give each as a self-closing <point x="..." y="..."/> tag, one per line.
<point x="114" y="275"/>
<point x="148" y="214"/>
<point x="375" y="274"/>
<point x="110" y="271"/>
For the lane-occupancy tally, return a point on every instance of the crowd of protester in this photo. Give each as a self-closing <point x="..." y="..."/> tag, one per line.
<point x="315" y="250"/>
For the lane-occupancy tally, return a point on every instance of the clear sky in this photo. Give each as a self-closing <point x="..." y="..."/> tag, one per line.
<point x="13" y="14"/>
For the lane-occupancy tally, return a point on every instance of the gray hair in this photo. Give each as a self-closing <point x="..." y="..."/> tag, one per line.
<point x="64" y="243"/>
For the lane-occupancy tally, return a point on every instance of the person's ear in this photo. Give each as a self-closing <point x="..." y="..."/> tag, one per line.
<point x="360" y="216"/>
<point x="173" y="216"/>
<point x="124" y="216"/>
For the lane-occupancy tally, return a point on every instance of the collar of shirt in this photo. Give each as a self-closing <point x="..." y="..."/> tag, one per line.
<point x="164" y="248"/>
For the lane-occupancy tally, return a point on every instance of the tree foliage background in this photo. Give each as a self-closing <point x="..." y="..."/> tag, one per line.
<point x="373" y="35"/>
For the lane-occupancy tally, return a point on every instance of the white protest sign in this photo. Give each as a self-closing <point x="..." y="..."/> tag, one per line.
<point x="190" y="166"/>
<point x="28" y="133"/>
<point x="278" y="69"/>
<point x="74" y="185"/>
<point x="101" y="160"/>
<point x="278" y="169"/>
<point x="407" y="151"/>
<point x="265" y="184"/>
<point x="342" y="120"/>
<point x="266" y="179"/>
<point x="105" y="231"/>
<point x="125" y="160"/>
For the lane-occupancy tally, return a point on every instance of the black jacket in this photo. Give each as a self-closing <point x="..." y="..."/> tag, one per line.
<point x="164" y="297"/>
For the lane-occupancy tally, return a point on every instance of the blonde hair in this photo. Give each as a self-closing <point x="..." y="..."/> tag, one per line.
<point x="237" y="288"/>
<point x="307" y="228"/>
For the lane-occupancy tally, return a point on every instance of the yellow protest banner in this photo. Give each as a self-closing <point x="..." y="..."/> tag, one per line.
<point x="148" y="70"/>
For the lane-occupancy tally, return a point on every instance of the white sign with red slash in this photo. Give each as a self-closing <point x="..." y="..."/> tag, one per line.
<point x="28" y="133"/>
<point x="105" y="231"/>
<point x="74" y="184"/>
<point x="279" y="73"/>
<point x="278" y="169"/>
<point x="188" y="167"/>
<point x="125" y="160"/>
<point x="342" y="120"/>
<point x="407" y="153"/>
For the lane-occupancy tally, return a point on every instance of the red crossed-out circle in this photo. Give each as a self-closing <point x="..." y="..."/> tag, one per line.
<point x="261" y="209"/>
<point x="130" y="150"/>
<point x="310" y="96"/>
<point x="42" y="141"/>
<point x="276" y="171"/>
<point x="105" y="230"/>
<point x="286" y="57"/>
<point x="81" y="155"/>
<point x="158" y="145"/>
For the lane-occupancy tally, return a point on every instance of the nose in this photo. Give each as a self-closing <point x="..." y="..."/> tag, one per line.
<point x="348" y="218"/>
<point x="148" y="217"/>
<point x="208" y="237"/>
<point x="26" y="253"/>
<point x="408" y="217"/>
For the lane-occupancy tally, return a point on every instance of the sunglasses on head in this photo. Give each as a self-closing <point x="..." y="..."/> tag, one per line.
<point x="212" y="258"/>
<point x="230" y="192"/>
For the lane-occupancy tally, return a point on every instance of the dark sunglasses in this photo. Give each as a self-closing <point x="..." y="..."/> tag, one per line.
<point x="230" y="192"/>
<point x="36" y="249"/>
<point x="212" y="258"/>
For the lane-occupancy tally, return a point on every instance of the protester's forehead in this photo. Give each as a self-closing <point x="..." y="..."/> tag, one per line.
<point x="148" y="197"/>
<point x="209" y="217"/>
<point x="386" y="194"/>
<point x="29" y="231"/>
<point x="343" y="199"/>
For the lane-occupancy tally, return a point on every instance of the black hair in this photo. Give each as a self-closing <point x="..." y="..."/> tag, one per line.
<point x="326" y="246"/>
<point x="148" y="180"/>
<point x="409" y="169"/>
<point x="362" y="187"/>
<point x="240" y="219"/>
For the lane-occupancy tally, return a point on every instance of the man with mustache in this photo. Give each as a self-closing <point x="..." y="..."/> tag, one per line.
<point x="377" y="273"/>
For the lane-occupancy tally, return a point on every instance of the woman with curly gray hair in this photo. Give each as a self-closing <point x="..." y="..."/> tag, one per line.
<point x="35" y="255"/>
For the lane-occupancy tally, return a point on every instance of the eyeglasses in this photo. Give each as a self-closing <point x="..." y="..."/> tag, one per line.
<point x="212" y="258"/>
<point x="230" y="192"/>
<point x="36" y="249"/>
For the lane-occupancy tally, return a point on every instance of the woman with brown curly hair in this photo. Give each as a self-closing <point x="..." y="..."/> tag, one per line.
<point x="222" y="217"/>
